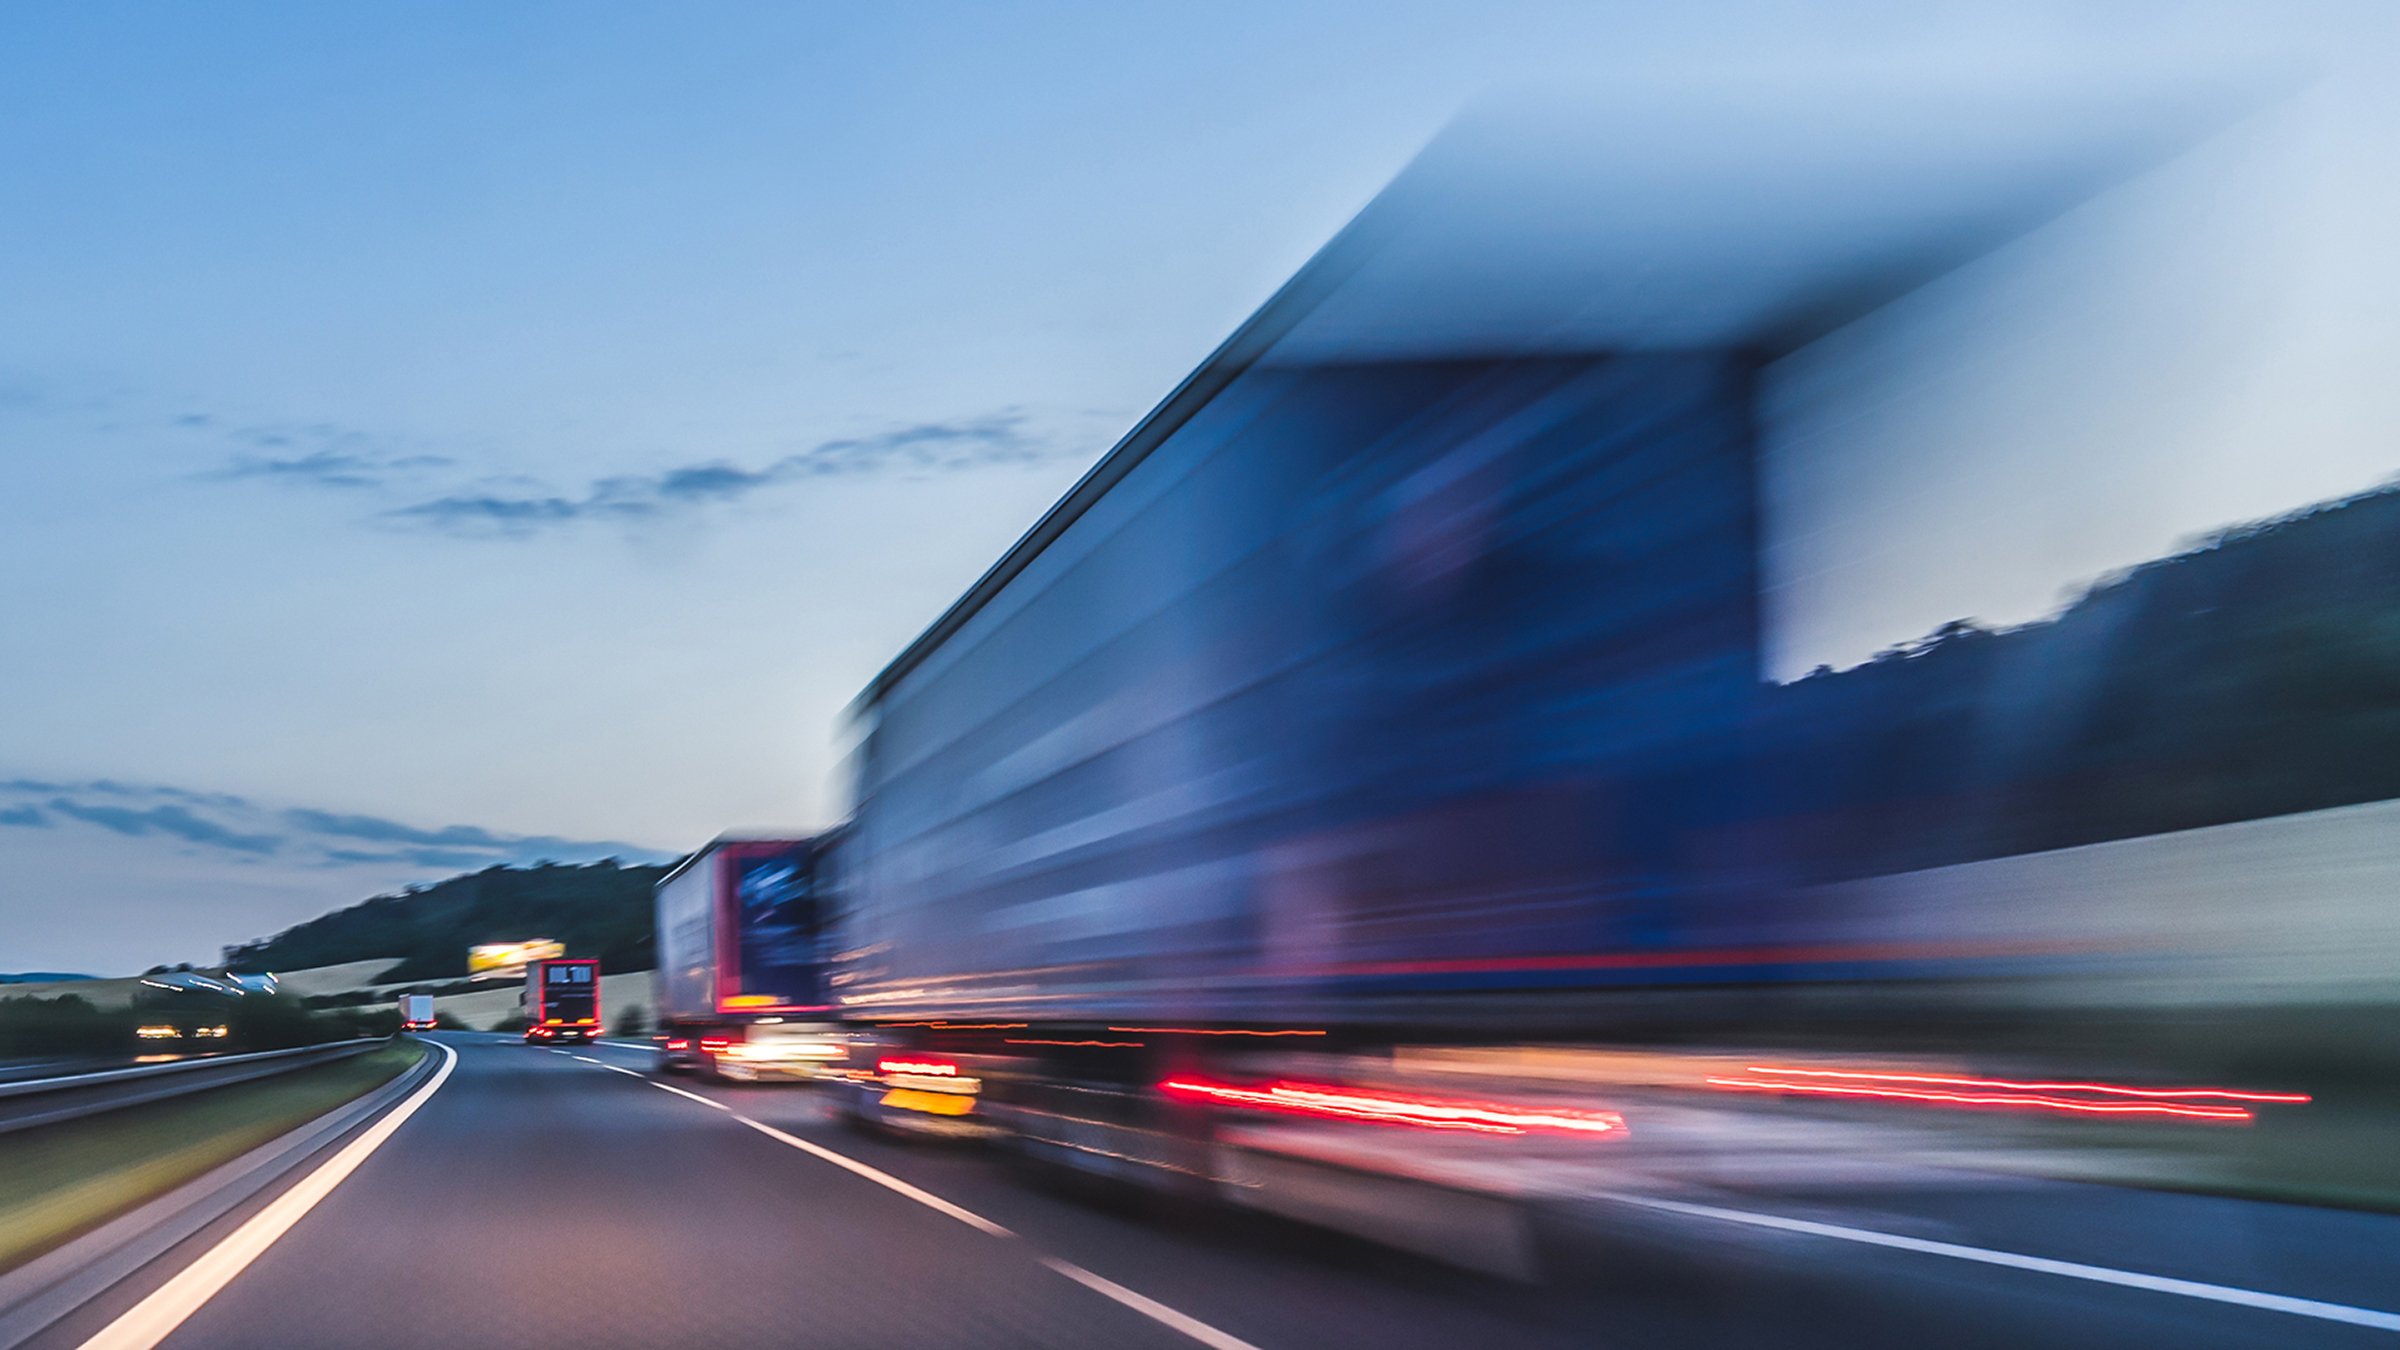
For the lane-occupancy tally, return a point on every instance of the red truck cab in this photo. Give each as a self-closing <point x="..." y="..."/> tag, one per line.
<point x="562" y="1001"/>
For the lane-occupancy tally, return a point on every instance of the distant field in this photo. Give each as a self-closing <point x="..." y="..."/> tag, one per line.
<point x="106" y="995"/>
<point x="481" y="1010"/>
<point x="62" y="1180"/>
<point x="112" y="994"/>
<point x="334" y="979"/>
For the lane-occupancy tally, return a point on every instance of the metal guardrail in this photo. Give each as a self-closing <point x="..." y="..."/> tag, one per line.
<point x="26" y="1070"/>
<point x="45" y="1101"/>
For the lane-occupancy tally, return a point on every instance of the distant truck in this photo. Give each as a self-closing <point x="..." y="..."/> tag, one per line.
<point x="561" y="1000"/>
<point x="416" y="1012"/>
<point x="743" y="946"/>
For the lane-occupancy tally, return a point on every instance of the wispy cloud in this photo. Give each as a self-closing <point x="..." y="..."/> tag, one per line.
<point x="19" y="390"/>
<point x="440" y="493"/>
<point x="457" y="840"/>
<point x="942" y="446"/>
<point x="332" y="468"/>
<point x="310" y="454"/>
<point x="172" y="820"/>
<point x="432" y="859"/>
<point x="111" y="787"/>
<point x="236" y="827"/>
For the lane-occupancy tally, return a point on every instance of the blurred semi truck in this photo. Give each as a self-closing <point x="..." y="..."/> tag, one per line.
<point x="561" y="1000"/>
<point x="416" y="1012"/>
<point x="1506" y="636"/>
<point x="742" y="951"/>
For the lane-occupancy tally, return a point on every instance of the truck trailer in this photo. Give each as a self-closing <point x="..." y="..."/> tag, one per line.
<point x="1423" y="671"/>
<point x="416" y="1012"/>
<point x="561" y="1001"/>
<point x="742" y="950"/>
<point x="1353" y="697"/>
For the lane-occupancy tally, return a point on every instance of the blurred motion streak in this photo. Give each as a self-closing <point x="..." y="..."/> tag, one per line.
<point x="2104" y="1089"/>
<point x="1110" y="1045"/>
<point x="1213" y="1031"/>
<point x="2012" y="1100"/>
<point x="1384" y="1108"/>
<point x="1882" y="568"/>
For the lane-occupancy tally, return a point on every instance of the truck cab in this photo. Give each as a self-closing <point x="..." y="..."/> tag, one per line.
<point x="562" y="1001"/>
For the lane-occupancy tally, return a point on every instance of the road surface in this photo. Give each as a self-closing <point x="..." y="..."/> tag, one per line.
<point x="562" y="1198"/>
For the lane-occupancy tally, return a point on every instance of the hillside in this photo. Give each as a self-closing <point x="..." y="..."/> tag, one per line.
<point x="2257" y="674"/>
<point x="597" y="909"/>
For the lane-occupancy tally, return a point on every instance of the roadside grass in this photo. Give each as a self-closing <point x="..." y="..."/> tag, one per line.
<point x="60" y="1181"/>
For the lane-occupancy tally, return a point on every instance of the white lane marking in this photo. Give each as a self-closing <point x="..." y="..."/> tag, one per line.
<point x="669" y="1087"/>
<point x="878" y="1176"/>
<point x="1149" y="1307"/>
<point x="626" y="1045"/>
<point x="155" y="1318"/>
<point x="2128" y="1279"/>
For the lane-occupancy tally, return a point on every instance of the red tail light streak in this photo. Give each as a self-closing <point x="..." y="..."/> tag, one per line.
<point x="1213" y="1031"/>
<point x="1391" y="1108"/>
<point x="2076" y="1098"/>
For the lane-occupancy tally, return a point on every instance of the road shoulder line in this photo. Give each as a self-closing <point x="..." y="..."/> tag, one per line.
<point x="51" y="1287"/>
<point x="167" y="1307"/>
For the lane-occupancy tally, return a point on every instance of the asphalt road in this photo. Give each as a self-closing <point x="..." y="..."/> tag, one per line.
<point x="539" y="1198"/>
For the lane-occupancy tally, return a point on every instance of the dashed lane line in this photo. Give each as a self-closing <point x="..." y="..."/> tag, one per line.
<point x="1182" y="1323"/>
<point x="2074" y="1270"/>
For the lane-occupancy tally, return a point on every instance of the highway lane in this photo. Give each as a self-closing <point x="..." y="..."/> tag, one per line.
<point x="538" y="1201"/>
<point x="1694" y="1283"/>
<point x="540" y="1198"/>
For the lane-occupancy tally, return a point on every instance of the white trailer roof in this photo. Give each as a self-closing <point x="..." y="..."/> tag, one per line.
<point x="1746" y="217"/>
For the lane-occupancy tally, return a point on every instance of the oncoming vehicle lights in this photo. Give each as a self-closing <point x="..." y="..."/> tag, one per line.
<point x="1379" y="1107"/>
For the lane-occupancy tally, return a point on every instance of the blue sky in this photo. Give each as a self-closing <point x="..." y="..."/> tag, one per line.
<point x="540" y="419"/>
<point x="440" y="434"/>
